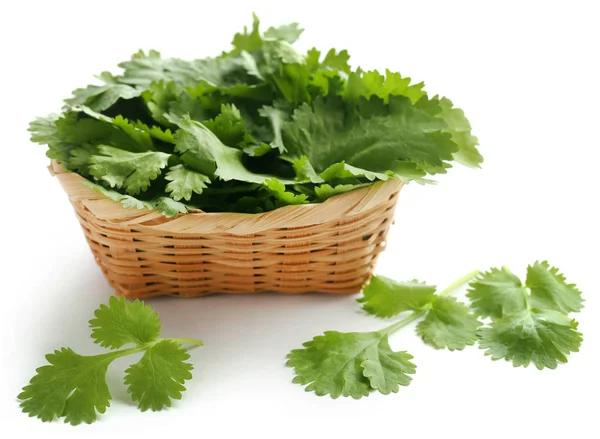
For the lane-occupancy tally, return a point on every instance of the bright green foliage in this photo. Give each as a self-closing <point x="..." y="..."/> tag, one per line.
<point x="159" y="376"/>
<point x="128" y="170"/>
<point x="123" y="322"/>
<point x="448" y="324"/>
<point x="350" y="364"/>
<point x="549" y="289"/>
<point x="541" y="337"/>
<point x="260" y="112"/>
<point x="74" y="386"/>
<point x="353" y="364"/>
<point x="384" y="297"/>
<point x="530" y="322"/>
<point x="184" y="182"/>
<point x="71" y="386"/>
<point x="496" y="293"/>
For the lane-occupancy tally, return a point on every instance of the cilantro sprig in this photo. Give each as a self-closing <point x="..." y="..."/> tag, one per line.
<point x="74" y="387"/>
<point x="521" y="322"/>
<point x="258" y="127"/>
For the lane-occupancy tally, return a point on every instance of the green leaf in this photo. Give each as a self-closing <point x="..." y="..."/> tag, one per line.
<point x="129" y="170"/>
<point x="202" y="151"/>
<point x="74" y="386"/>
<point x="385" y="369"/>
<point x="460" y="128"/>
<point x="541" y="337"/>
<point x="71" y="386"/>
<point x="305" y="171"/>
<point x="367" y="84"/>
<point x="384" y="297"/>
<point x="350" y="364"/>
<point x="277" y="118"/>
<point x="280" y="192"/>
<point x="325" y="191"/>
<point x="159" y="376"/>
<point x="102" y="97"/>
<point x="343" y="170"/>
<point x="123" y="322"/>
<point x="497" y="293"/>
<point x="550" y="290"/>
<point x="448" y="324"/>
<point x="229" y="127"/>
<point x="370" y="136"/>
<point x="184" y="182"/>
<point x="127" y="201"/>
<point x="289" y="32"/>
<point x="170" y="208"/>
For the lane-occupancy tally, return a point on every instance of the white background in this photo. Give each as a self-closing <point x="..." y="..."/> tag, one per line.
<point x="526" y="75"/>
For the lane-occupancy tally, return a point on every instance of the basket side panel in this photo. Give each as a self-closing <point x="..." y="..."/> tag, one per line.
<point x="335" y="256"/>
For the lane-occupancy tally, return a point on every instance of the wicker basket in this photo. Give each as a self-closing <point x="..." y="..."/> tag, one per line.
<point x="330" y="247"/>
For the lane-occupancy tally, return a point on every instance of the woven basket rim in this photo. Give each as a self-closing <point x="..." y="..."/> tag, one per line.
<point x="338" y="207"/>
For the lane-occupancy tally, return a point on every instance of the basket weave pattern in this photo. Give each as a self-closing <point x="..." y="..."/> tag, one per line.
<point x="330" y="247"/>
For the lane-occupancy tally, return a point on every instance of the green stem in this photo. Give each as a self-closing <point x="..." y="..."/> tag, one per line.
<point x="191" y="341"/>
<point x="405" y="321"/>
<point x="420" y="312"/>
<point x="454" y="285"/>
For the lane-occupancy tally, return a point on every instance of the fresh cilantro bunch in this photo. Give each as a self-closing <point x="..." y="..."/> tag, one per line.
<point x="523" y="322"/>
<point x="256" y="128"/>
<point x="74" y="386"/>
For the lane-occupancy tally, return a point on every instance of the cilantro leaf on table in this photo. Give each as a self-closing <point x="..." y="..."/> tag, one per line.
<point x="122" y="322"/>
<point x="74" y="387"/>
<point x="538" y="336"/>
<point x="448" y="324"/>
<point x="350" y="364"/>
<point x="530" y="321"/>
<point x="384" y="297"/>
<point x="159" y="376"/>
<point x="356" y="363"/>
<point x="257" y="112"/>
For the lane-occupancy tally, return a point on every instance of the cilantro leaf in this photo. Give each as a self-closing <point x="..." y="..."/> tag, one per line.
<point x="385" y="369"/>
<point x="384" y="297"/>
<point x="368" y="136"/>
<point x="326" y="191"/>
<point x="123" y="322"/>
<point x="202" y="151"/>
<point x="550" y="290"/>
<point x="281" y="193"/>
<point x="184" y="181"/>
<point x="530" y="322"/>
<point x="496" y="293"/>
<point x="102" y="97"/>
<point x="448" y="324"/>
<point x="159" y="376"/>
<point x="229" y="127"/>
<point x="74" y="386"/>
<point x="350" y="364"/>
<point x="129" y="170"/>
<point x="261" y="111"/>
<point x="541" y="337"/>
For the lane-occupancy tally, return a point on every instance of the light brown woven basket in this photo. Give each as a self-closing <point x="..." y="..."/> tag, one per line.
<point x="330" y="247"/>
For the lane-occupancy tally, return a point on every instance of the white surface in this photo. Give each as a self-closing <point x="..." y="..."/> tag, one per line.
<point x="525" y="74"/>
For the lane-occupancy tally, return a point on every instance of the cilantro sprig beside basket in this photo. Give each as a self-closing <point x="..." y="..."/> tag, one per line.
<point x="523" y="323"/>
<point x="258" y="127"/>
<point x="74" y="387"/>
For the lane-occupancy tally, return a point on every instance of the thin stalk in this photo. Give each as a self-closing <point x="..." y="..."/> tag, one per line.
<point x="420" y="312"/>
<point x="405" y="321"/>
<point x="191" y="341"/>
<point x="454" y="285"/>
